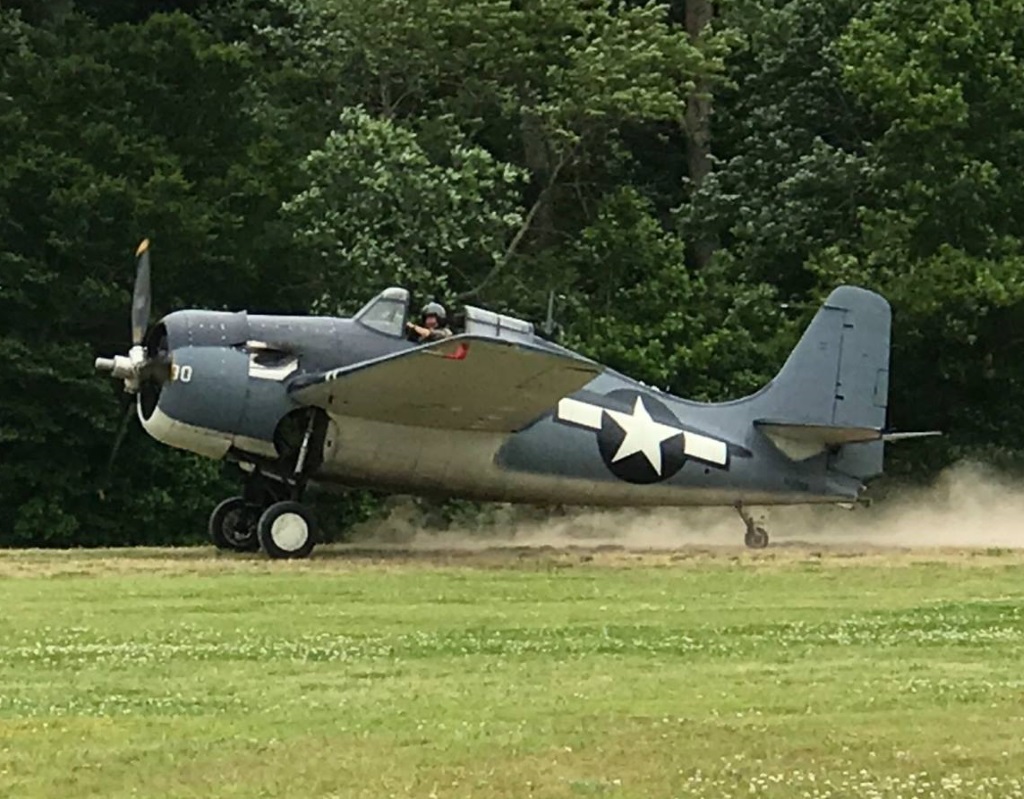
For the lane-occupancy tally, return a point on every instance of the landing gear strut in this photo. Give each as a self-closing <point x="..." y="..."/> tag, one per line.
<point x="756" y="537"/>
<point x="270" y="514"/>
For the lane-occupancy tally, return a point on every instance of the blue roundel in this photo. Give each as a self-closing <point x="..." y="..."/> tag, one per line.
<point x="640" y="439"/>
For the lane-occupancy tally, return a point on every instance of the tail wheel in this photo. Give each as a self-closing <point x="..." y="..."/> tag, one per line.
<point x="756" y="538"/>
<point x="287" y="530"/>
<point x="233" y="526"/>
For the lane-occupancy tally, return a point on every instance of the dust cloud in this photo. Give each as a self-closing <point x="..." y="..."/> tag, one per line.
<point x="967" y="506"/>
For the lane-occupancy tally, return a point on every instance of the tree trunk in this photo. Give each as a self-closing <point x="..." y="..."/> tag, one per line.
<point x="698" y="123"/>
<point x="538" y="158"/>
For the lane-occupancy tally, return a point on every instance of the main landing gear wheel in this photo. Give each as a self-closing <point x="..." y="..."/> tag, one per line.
<point x="233" y="526"/>
<point x="287" y="530"/>
<point x="756" y="537"/>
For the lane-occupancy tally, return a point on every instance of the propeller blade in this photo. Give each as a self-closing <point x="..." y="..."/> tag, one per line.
<point x="129" y="406"/>
<point x="141" y="298"/>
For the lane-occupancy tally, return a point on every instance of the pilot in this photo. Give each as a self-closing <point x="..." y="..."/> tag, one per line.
<point x="434" y="327"/>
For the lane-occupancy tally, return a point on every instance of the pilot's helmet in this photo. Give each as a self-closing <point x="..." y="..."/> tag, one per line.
<point x="434" y="309"/>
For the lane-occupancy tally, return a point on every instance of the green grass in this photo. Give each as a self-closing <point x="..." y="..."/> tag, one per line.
<point x="512" y="674"/>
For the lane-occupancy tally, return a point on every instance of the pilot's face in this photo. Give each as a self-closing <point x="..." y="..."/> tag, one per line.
<point x="430" y="321"/>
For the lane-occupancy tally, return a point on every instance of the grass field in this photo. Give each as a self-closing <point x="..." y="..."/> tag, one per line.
<point x="787" y="673"/>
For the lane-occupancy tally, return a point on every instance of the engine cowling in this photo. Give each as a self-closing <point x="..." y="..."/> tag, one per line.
<point x="199" y="406"/>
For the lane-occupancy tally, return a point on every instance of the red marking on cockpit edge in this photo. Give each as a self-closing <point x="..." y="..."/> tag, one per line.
<point x="460" y="353"/>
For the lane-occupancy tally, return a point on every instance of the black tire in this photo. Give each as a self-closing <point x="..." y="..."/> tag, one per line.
<point x="287" y="530"/>
<point x="233" y="526"/>
<point x="756" y="538"/>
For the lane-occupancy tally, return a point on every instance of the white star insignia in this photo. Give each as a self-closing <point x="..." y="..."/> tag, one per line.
<point x="643" y="434"/>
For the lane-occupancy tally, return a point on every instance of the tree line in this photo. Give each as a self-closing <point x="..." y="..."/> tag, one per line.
<point x="687" y="180"/>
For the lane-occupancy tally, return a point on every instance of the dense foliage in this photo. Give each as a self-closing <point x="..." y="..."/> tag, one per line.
<point x="687" y="193"/>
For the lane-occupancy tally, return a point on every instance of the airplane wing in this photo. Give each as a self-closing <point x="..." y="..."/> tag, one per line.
<point x="462" y="383"/>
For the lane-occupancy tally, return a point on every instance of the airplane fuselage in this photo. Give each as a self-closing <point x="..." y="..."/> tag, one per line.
<point x="493" y="412"/>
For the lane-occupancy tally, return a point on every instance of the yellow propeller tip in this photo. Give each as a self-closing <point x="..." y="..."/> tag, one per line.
<point x="142" y="248"/>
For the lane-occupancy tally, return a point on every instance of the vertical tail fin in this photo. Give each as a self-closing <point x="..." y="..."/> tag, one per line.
<point x="833" y="389"/>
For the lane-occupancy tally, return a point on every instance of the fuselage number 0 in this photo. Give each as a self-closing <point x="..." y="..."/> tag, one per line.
<point x="181" y="374"/>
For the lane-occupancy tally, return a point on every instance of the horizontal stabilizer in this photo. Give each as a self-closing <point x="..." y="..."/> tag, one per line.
<point x="905" y="436"/>
<point x="802" y="441"/>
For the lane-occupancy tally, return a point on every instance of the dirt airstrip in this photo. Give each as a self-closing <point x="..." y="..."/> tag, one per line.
<point x="968" y="512"/>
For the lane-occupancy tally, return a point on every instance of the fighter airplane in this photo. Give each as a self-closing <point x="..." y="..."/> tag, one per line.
<point x="495" y="412"/>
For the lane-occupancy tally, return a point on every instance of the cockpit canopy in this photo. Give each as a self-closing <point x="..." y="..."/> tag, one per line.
<point x="387" y="313"/>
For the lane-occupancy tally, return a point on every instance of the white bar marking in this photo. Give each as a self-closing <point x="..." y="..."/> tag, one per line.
<point x="706" y="449"/>
<point x="580" y="413"/>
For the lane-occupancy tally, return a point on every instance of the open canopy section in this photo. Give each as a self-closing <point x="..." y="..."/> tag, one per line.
<point x="488" y="323"/>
